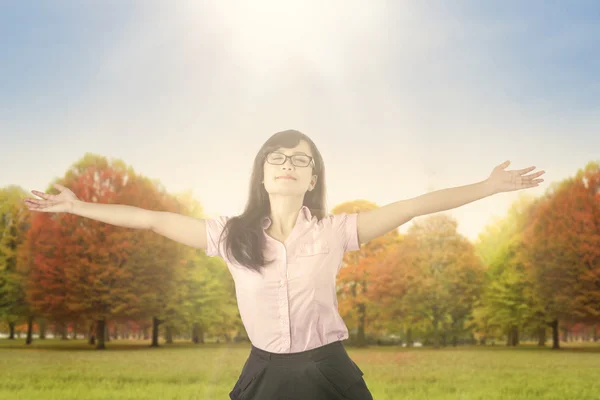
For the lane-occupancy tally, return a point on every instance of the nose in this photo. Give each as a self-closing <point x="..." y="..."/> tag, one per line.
<point x="287" y="164"/>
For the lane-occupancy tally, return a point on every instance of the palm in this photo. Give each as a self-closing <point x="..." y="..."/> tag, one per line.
<point x="507" y="181"/>
<point x="52" y="202"/>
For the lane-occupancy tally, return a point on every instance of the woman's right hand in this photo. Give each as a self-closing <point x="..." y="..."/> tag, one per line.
<point x="62" y="202"/>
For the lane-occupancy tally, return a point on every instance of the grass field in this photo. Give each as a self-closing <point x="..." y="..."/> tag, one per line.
<point x="54" y="369"/>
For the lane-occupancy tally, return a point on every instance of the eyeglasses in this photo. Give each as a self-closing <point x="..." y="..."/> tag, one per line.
<point x="299" y="160"/>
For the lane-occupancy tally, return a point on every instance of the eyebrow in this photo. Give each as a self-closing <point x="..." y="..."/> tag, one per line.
<point x="296" y="152"/>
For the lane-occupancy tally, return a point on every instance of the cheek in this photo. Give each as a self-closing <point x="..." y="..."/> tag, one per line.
<point x="305" y="179"/>
<point x="268" y="172"/>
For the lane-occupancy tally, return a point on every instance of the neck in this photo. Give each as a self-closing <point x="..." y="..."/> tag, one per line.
<point x="284" y="213"/>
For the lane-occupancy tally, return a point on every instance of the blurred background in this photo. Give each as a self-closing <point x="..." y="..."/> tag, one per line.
<point x="163" y="105"/>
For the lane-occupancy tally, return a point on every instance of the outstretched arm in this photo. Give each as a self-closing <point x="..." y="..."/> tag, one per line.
<point x="180" y="228"/>
<point x="377" y="222"/>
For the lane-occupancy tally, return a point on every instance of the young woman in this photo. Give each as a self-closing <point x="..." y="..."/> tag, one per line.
<point x="284" y="252"/>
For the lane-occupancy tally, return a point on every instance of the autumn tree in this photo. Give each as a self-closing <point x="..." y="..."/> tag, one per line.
<point x="443" y="278"/>
<point x="563" y="245"/>
<point x="87" y="270"/>
<point x="358" y="268"/>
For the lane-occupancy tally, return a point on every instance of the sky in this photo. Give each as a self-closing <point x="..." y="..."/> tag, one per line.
<point x="401" y="97"/>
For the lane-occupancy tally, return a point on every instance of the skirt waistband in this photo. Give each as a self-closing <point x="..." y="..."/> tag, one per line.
<point x="315" y="354"/>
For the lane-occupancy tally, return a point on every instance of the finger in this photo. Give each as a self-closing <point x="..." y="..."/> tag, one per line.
<point x="532" y="184"/>
<point x="534" y="175"/>
<point x="32" y="203"/>
<point x="40" y="194"/>
<point x="525" y="170"/>
<point x="43" y="195"/>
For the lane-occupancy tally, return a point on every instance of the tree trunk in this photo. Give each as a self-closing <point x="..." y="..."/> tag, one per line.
<point x="106" y="332"/>
<point x="555" y="334"/>
<point x="409" y="339"/>
<point x="63" y="331"/>
<point x="92" y="338"/>
<point x="542" y="336"/>
<point x="100" y="329"/>
<point x="155" y="324"/>
<point x="197" y="333"/>
<point x="42" y="326"/>
<point x="11" y="327"/>
<point x="361" y="340"/>
<point x="514" y="337"/>
<point x="74" y="333"/>
<point x="29" y="330"/>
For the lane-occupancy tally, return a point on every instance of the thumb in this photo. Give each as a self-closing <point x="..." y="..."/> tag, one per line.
<point x="504" y="164"/>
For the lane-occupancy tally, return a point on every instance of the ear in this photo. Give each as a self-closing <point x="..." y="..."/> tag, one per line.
<point x="313" y="182"/>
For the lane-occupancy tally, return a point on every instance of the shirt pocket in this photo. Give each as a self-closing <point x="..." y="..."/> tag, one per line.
<point x="319" y="247"/>
<point x="308" y="259"/>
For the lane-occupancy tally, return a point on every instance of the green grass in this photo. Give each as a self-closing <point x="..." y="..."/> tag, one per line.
<point x="54" y="369"/>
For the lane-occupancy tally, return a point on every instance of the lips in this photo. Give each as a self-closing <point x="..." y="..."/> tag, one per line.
<point x="286" y="177"/>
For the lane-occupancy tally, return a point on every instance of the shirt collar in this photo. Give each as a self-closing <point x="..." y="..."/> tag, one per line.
<point x="303" y="214"/>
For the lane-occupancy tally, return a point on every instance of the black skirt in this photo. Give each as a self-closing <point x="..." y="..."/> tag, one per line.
<point x="323" y="373"/>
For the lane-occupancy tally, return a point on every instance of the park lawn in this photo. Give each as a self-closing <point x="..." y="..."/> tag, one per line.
<point x="55" y="369"/>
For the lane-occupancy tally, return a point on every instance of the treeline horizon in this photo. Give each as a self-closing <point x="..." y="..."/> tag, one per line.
<point x="534" y="273"/>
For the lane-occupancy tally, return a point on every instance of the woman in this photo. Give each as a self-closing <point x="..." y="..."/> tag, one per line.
<point x="284" y="253"/>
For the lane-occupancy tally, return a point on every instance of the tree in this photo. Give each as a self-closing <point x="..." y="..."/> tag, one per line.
<point x="14" y="223"/>
<point x="563" y="242"/>
<point x="505" y="308"/>
<point x="444" y="277"/>
<point x="357" y="270"/>
<point x="88" y="270"/>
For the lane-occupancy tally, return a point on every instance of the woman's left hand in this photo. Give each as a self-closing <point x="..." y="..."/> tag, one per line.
<point x="508" y="181"/>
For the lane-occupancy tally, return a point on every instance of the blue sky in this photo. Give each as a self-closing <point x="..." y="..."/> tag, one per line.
<point x="400" y="97"/>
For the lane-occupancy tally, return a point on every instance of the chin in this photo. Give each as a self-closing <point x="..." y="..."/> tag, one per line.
<point x="286" y="191"/>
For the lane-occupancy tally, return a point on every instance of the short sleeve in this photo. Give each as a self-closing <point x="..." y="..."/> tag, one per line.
<point x="214" y="228"/>
<point x="345" y="226"/>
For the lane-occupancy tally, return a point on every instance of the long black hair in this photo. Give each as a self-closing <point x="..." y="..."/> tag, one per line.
<point x="244" y="236"/>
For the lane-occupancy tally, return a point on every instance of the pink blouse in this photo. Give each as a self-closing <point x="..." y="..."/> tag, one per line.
<point x="293" y="306"/>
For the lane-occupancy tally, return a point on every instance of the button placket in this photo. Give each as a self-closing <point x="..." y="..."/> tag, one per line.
<point x="283" y="300"/>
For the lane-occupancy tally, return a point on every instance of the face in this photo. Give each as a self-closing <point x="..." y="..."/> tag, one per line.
<point x="287" y="178"/>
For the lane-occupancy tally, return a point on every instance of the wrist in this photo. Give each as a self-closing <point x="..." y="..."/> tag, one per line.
<point x="73" y="204"/>
<point x="489" y="187"/>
